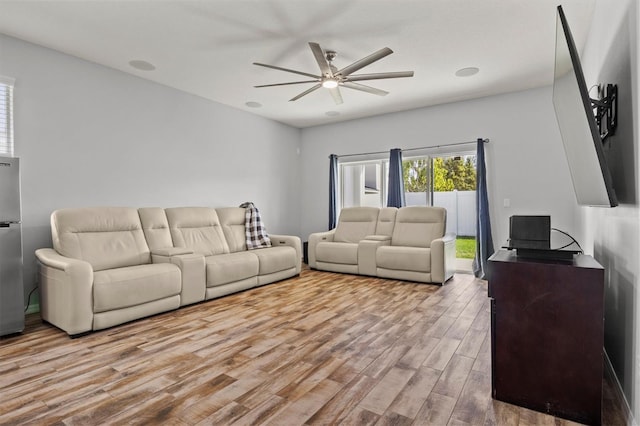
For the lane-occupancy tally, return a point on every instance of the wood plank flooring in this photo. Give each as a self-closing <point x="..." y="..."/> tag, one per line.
<point x="318" y="349"/>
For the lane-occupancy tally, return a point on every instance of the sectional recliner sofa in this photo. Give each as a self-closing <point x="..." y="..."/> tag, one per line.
<point x="408" y="243"/>
<point x="111" y="265"/>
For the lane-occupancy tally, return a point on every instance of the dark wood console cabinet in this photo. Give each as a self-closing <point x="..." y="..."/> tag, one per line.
<point x="547" y="334"/>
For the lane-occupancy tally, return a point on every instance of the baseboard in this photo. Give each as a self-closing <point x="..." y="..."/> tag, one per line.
<point x="617" y="388"/>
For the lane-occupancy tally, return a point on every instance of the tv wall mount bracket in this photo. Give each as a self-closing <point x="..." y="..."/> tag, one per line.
<point x="605" y="110"/>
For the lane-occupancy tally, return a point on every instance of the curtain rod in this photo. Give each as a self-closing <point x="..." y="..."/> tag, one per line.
<point x="414" y="149"/>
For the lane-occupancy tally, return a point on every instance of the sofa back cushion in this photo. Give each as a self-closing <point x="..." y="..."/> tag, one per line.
<point x="386" y="221"/>
<point x="155" y="227"/>
<point x="106" y="237"/>
<point x="232" y="220"/>
<point x="355" y="223"/>
<point x="417" y="226"/>
<point x="198" y="229"/>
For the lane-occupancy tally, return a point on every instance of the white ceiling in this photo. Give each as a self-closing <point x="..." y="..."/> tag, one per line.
<point x="207" y="47"/>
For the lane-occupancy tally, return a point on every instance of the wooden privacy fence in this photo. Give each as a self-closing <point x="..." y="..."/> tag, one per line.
<point x="460" y="205"/>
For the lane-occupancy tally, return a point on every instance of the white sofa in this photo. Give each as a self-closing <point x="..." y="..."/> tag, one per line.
<point x="408" y="243"/>
<point x="111" y="265"/>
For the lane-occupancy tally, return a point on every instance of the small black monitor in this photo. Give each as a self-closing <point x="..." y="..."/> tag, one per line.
<point x="532" y="232"/>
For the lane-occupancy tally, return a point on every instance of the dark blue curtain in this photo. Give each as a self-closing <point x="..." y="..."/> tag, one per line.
<point x="484" y="241"/>
<point x="333" y="190"/>
<point x="395" y="196"/>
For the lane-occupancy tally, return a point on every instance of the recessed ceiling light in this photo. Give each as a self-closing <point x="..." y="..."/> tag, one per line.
<point x="467" y="72"/>
<point x="142" y="65"/>
<point x="332" y="113"/>
<point x="252" y="104"/>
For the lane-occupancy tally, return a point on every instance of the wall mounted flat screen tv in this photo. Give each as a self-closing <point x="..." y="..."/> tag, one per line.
<point x="581" y="138"/>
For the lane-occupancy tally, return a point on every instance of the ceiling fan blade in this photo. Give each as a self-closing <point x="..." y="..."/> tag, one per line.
<point x="320" y="59"/>
<point x="287" y="70"/>
<point x="337" y="97"/>
<point x="306" y="92"/>
<point x="365" y="61"/>
<point x="362" y="87"/>
<point x="380" y="75"/>
<point x="287" y="84"/>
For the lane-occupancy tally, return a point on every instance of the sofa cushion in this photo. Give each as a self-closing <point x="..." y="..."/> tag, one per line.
<point x="155" y="227"/>
<point x="232" y="220"/>
<point x="356" y="223"/>
<point x="331" y="252"/>
<point x="106" y="237"/>
<point x="230" y="267"/>
<point x="197" y="228"/>
<point x="417" y="226"/>
<point x="404" y="258"/>
<point x="276" y="259"/>
<point x="133" y="285"/>
<point x="386" y="221"/>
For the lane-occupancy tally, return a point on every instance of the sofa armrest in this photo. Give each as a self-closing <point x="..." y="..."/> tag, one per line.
<point x="314" y="240"/>
<point x="443" y="258"/>
<point x="290" y="241"/>
<point x="192" y="270"/>
<point x="367" y="253"/>
<point x="66" y="291"/>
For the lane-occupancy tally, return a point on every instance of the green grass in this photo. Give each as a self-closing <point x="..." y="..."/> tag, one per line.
<point x="465" y="247"/>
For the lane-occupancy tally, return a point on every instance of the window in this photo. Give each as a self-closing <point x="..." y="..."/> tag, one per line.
<point x="6" y="116"/>
<point x="364" y="183"/>
<point x="428" y="179"/>
<point x="417" y="181"/>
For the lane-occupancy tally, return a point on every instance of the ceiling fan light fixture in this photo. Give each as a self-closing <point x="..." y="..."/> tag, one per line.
<point x="330" y="83"/>
<point x="331" y="78"/>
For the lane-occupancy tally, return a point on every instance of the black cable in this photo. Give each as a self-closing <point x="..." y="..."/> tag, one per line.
<point x="573" y="240"/>
<point x="29" y="298"/>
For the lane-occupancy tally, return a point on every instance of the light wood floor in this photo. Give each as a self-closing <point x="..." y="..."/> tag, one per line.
<point x="320" y="349"/>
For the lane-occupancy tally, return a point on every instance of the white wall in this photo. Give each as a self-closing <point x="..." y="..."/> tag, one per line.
<point x="525" y="157"/>
<point x="89" y="135"/>
<point x="611" y="56"/>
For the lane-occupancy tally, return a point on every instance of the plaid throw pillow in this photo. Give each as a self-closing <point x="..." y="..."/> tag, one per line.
<point x="255" y="232"/>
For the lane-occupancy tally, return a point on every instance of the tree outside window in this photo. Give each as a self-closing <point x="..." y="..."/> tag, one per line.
<point x="449" y="173"/>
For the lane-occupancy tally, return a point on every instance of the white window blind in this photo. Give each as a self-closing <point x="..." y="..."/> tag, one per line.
<point x="6" y="116"/>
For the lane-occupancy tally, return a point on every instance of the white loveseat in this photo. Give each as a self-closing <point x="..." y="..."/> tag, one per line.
<point x="111" y="265"/>
<point x="408" y="243"/>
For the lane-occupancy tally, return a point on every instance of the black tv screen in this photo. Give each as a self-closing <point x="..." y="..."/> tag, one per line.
<point x="583" y="145"/>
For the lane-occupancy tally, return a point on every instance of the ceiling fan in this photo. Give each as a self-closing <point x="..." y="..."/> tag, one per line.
<point x="331" y="78"/>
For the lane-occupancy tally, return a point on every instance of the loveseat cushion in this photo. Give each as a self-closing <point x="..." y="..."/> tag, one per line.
<point x="230" y="267"/>
<point x="106" y="237"/>
<point x="331" y="252"/>
<point x="276" y="259"/>
<point x="355" y="224"/>
<point x="386" y="221"/>
<point x="134" y="285"/>
<point x="197" y="228"/>
<point x="404" y="258"/>
<point x="417" y="226"/>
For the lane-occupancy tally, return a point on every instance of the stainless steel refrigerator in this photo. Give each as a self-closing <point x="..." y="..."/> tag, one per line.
<point x="11" y="287"/>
